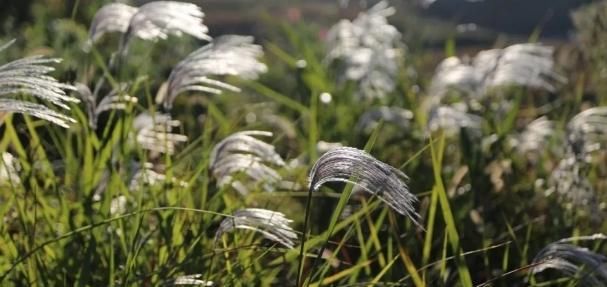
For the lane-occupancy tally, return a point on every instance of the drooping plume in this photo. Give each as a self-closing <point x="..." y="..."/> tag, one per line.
<point x="535" y="136"/>
<point x="113" y="17"/>
<point x="454" y="73"/>
<point x="117" y="99"/>
<point x="587" y="266"/>
<point x="152" y="21"/>
<point x="30" y="76"/>
<point x="527" y="65"/>
<point x="242" y="153"/>
<point x="158" y="19"/>
<point x="145" y="175"/>
<point x="226" y="56"/>
<point x="346" y="164"/>
<point x="273" y="225"/>
<point x="154" y="132"/>
<point x="587" y="130"/>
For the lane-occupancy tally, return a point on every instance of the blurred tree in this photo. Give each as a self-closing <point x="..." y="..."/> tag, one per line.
<point x="15" y="12"/>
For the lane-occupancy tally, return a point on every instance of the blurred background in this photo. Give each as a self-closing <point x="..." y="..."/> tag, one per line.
<point x="430" y="28"/>
<point x="470" y="21"/>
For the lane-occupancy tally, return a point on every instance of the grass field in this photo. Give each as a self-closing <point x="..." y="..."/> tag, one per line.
<point x="138" y="151"/>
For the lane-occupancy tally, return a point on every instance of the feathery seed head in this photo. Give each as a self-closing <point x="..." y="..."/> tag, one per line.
<point x="453" y="73"/>
<point x="158" y="19"/>
<point x="145" y="175"/>
<point x="152" y="21"/>
<point x="528" y="65"/>
<point x="346" y="164"/>
<point x="9" y="169"/>
<point x="273" y="225"/>
<point x="193" y="280"/>
<point x="230" y="55"/>
<point x="153" y="132"/>
<point x="574" y="261"/>
<point x="117" y="99"/>
<point x="535" y="136"/>
<point x="245" y="142"/>
<point x="368" y="49"/>
<point x="29" y="76"/>
<point x="587" y="130"/>
<point x="243" y="153"/>
<point x="569" y="181"/>
<point x="113" y="17"/>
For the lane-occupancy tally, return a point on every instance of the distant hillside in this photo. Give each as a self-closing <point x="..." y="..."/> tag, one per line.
<point x="510" y="16"/>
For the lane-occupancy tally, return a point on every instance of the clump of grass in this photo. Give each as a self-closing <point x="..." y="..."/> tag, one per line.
<point x="129" y="195"/>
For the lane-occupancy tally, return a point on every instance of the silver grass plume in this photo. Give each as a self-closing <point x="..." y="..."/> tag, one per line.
<point x="229" y="55"/>
<point x="569" y="181"/>
<point x="454" y="73"/>
<point x="118" y="205"/>
<point x="271" y="224"/>
<point x="117" y="99"/>
<point x="586" y="132"/>
<point x="189" y="280"/>
<point x="113" y="17"/>
<point x="394" y="115"/>
<point x="244" y="142"/>
<point x="589" y="267"/>
<point x="451" y="120"/>
<point x="30" y="76"/>
<point x="154" y="132"/>
<point x="241" y="152"/>
<point x="351" y="165"/>
<point x="145" y="175"/>
<point x="529" y="65"/>
<point x="36" y="110"/>
<point x="368" y="48"/>
<point x="159" y="19"/>
<point x="9" y="169"/>
<point x="535" y="136"/>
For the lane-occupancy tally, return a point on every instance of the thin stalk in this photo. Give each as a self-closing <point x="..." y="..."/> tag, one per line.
<point x="303" y="237"/>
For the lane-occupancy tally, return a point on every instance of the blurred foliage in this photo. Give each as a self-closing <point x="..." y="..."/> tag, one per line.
<point x="591" y="24"/>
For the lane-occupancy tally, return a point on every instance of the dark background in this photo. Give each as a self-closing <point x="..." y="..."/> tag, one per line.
<point x="551" y="16"/>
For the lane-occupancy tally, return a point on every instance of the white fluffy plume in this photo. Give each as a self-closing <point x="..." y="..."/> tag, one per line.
<point x="273" y="225"/>
<point x="30" y="76"/>
<point x="230" y="55"/>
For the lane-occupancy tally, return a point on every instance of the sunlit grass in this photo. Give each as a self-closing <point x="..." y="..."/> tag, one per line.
<point x="75" y="215"/>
